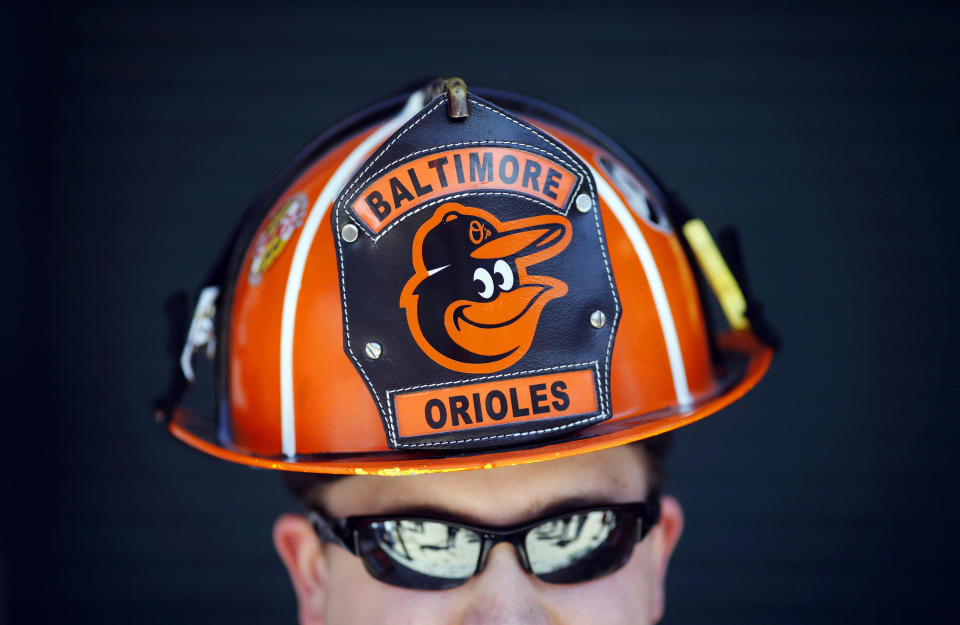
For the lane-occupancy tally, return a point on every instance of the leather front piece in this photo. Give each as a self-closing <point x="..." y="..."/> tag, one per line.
<point x="469" y="288"/>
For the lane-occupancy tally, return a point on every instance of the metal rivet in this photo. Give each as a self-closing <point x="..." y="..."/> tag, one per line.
<point x="349" y="233"/>
<point x="373" y="350"/>
<point x="584" y="203"/>
<point x="598" y="319"/>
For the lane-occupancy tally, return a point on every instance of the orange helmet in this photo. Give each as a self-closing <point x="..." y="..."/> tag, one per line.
<point x="451" y="280"/>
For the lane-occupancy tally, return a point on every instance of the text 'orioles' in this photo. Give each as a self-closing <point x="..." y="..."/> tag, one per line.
<point x="454" y="171"/>
<point x="501" y="402"/>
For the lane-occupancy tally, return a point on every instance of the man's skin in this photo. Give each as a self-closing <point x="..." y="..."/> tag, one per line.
<point x="333" y="588"/>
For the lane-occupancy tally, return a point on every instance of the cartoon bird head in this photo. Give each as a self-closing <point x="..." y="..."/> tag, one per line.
<point x="471" y="305"/>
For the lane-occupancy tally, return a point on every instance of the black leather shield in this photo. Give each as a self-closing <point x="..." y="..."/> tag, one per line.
<point x="478" y="301"/>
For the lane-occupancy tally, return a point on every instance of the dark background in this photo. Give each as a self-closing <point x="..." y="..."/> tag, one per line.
<point x="135" y="135"/>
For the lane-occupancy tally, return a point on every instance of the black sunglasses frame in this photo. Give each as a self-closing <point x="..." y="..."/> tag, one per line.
<point x="346" y="533"/>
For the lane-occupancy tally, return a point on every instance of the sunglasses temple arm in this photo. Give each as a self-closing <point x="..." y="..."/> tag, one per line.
<point x="328" y="531"/>
<point x="648" y="520"/>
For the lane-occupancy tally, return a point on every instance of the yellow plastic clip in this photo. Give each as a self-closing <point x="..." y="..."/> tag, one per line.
<point x="718" y="274"/>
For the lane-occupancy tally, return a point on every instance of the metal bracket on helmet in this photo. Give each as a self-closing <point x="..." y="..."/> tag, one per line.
<point x="718" y="274"/>
<point x="723" y="268"/>
<point x="202" y="332"/>
<point x="458" y="106"/>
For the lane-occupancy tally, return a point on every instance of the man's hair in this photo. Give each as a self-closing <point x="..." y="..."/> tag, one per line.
<point x="306" y="487"/>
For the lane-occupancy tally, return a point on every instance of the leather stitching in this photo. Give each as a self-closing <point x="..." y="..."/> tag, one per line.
<point x="383" y="150"/>
<point x="346" y="323"/>
<point x="562" y="156"/>
<point x="600" y="237"/>
<point x="343" y="286"/>
<point x="349" y="200"/>
<point x="556" y="428"/>
<point x="498" y="376"/>
<point x="447" y="198"/>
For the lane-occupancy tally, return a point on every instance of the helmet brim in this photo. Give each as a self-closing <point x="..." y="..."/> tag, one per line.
<point x="747" y="360"/>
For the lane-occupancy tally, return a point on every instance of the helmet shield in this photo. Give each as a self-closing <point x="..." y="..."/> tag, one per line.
<point x="475" y="276"/>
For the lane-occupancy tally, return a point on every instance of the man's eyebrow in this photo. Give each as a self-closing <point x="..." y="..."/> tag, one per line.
<point x="554" y="507"/>
<point x="574" y="502"/>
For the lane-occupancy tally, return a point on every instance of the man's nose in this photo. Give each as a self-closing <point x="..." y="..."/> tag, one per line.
<point x="503" y="593"/>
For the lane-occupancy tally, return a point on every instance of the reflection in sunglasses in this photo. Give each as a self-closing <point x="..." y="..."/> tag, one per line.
<point x="442" y="550"/>
<point x="562" y="542"/>
<point x="431" y="548"/>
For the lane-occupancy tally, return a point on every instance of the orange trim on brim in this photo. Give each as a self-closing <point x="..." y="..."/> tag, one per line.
<point x="594" y="438"/>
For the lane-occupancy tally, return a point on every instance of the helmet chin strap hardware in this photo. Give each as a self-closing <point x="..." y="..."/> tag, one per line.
<point x="721" y="264"/>
<point x="458" y="107"/>
<point x="202" y="333"/>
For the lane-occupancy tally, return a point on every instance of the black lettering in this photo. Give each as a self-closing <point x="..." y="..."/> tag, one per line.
<point x="563" y="400"/>
<point x="501" y="410"/>
<point x="438" y="164"/>
<point x="538" y="398"/>
<point x="517" y="410"/>
<point x="419" y="190"/>
<point x="477" y="407"/>
<point x="399" y="191"/>
<point x="376" y="203"/>
<point x="552" y="181"/>
<point x="458" y="408"/>
<point x="531" y="171"/>
<point x="509" y="158"/>
<point x="441" y="409"/>
<point x="458" y="165"/>
<point x="480" y="170"/>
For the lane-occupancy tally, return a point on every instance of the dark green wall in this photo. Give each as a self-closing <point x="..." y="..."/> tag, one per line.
<point x="136" y="134"/>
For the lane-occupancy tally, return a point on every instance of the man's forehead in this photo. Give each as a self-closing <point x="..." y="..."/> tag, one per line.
<point x="505" y="495"/>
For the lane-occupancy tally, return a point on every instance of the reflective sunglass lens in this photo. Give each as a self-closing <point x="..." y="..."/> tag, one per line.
<point x="580" y="547"/>
<point x="419" y="554"/>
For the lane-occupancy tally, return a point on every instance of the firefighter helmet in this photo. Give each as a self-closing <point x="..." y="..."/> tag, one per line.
<point x="453" y="280"/>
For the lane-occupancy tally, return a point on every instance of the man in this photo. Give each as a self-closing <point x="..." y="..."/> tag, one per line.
<point x="333" y="587"/>
<point x="451" y="298"/>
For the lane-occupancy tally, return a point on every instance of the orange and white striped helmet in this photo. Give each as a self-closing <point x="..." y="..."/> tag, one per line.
<point x="454" y="280"/>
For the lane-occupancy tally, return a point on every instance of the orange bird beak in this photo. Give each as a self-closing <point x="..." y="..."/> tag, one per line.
<point x="500" y="326"/>
<point x="508" y="323"/>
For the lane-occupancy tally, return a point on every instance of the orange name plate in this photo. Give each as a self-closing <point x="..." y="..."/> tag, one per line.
<point x="498" y="402"/>
<point x="415" y="182"/>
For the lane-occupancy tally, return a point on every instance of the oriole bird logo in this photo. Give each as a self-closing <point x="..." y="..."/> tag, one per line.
<point x="471" y="305"/>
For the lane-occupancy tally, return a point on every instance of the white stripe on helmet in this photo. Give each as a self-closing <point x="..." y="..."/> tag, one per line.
<point x="302" y="251"/>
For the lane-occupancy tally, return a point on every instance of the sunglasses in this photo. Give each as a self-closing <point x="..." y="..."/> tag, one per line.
<point x="427" y="553"/>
